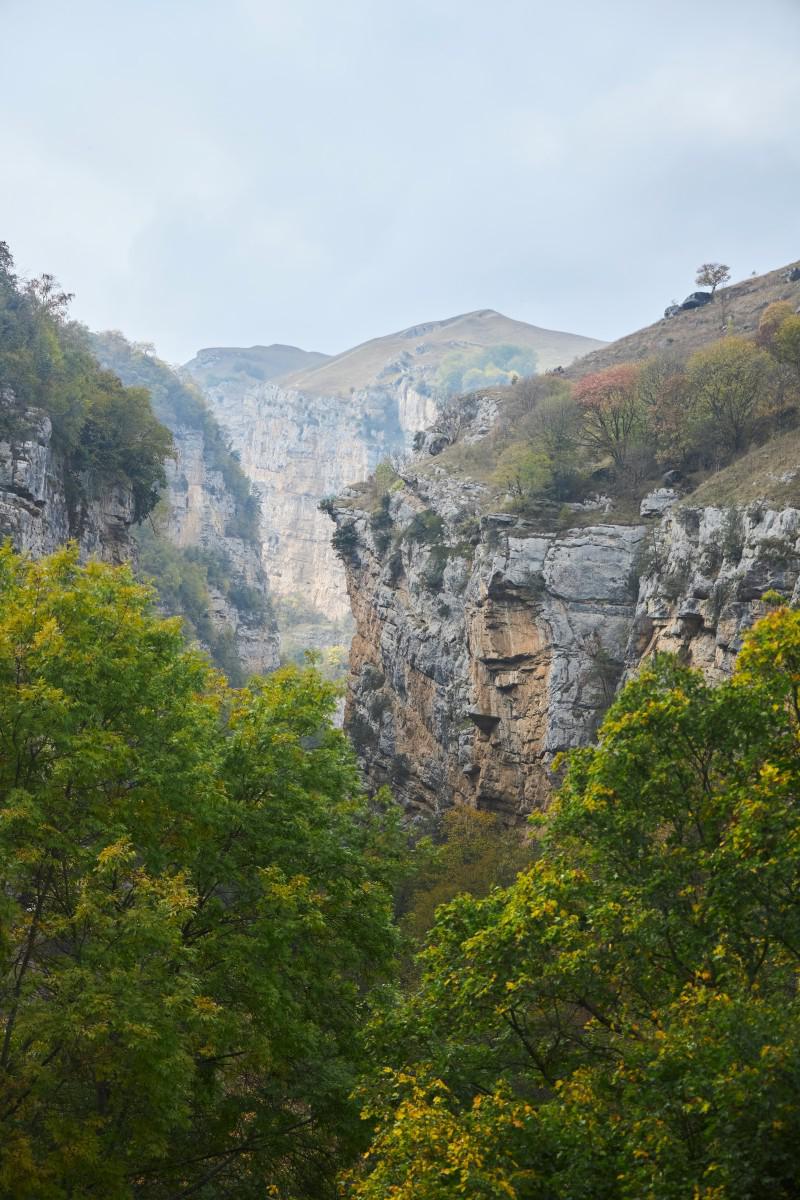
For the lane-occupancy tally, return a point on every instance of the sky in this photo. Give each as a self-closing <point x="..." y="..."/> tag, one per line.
<point x="202" y="173"/>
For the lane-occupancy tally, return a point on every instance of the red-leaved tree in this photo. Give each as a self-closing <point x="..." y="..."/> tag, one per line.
<point x="613" y="414"/>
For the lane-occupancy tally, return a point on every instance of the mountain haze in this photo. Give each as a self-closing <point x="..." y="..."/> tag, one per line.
<point x="421" y="348"/>
<point x="304" y="433"/>
<point x="215" y="364"/>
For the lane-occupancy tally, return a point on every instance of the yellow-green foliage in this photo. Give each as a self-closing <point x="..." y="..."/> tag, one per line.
<point x="474" y="853"/>
<point x="787" y="342"/>
<point x="623" y="1020"/>
<point x="731" y="383"/>
<point x="196" y="901"/>
<point x="523" y="471"/>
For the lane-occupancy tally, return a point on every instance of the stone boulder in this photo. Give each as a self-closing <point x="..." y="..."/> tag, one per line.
<point x="656" y="503"/>
<point x="697" y="300"/>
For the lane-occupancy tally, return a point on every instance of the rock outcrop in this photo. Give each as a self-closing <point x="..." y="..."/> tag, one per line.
<point x="485" y="646"/>
<point x="703" y="573"/>
<point x="207" y="512"/>
<point x="42" y="506"/>
<point x="304" y="436"/>
<point x="199" y="510"/>
<point x="297" y="448"/>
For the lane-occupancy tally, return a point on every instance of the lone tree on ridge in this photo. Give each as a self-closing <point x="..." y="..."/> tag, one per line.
<point x="712" y="275"/>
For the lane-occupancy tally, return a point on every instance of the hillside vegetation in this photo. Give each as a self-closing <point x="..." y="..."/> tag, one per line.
<point x="179" y="403"/>
<point x="618" y="431"/>
<point x="184" y="574"/>
<point x="107" y="433"/>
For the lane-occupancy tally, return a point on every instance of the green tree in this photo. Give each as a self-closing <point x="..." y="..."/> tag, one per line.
<point x="472" y="853"/>
<point x="786" y="344"/>
<point x="523" y="471"/>
<point x="731" y="381"/>
<point x="196" y="900"/>
<point x="623" y="1021"/>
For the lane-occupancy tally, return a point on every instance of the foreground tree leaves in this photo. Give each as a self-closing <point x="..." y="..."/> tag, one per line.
<point x="623" y="1020"/>
<point x="195" y="903"/>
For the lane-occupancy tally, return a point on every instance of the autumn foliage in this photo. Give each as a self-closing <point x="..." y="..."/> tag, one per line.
<point x="623" y="1020"/>
<point x="617" y="428"/>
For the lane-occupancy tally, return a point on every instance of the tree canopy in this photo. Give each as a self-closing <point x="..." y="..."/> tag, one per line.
<point x="195" y="904"/>
<point x="623" y="1020"/>
<point x="712" y="274"/>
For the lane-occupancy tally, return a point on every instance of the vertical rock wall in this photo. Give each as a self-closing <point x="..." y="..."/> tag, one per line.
<point x="482" y="655"/>
<point x="297" y="448"/>
<point x="201" y="511"/>
<point x="40" y="508"/>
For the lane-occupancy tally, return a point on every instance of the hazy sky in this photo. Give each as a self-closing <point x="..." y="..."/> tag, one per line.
<point x="318" y="172"/>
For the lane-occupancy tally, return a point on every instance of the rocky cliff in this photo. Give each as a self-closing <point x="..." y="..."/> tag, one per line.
<point x="199" y="511"/>
<point x="41" y="507"/>
<point x="487" y="641"/>
<point x="485" y="646"/>
<point x="304" y="436"/>
<point x="203" y="545"/>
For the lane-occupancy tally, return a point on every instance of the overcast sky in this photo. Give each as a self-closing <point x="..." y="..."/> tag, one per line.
<point x="230" y="172"/>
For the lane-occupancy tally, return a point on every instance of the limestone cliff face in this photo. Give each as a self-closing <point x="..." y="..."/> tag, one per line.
<point x="40" y="509"/>
<point x="297" y="448"/>
<point x="303" y="436"/>
<point x="480" y="655"/>
<point x="207" y="510"/>
<point x="201" y="511"/>
<point x="704" y="571"/>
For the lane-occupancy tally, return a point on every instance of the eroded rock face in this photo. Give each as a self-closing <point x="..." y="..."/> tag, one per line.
<point x="39" y="507"/>
<point x="480" y="656"/>
<point x="704" y="571"/>
<point x="201" y="512"/>
<point x="296" y="448"/>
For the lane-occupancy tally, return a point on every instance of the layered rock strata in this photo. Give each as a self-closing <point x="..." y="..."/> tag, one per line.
<point x="42" y="506"/>
<point x="296" y="448"/>
<point x="201" y="511"/>
<point x="482" y="653"/>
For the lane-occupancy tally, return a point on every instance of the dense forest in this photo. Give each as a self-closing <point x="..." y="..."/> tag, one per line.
<point x="219" y="976"/>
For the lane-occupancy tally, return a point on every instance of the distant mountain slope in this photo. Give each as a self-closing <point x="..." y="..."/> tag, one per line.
<point x="303" y="435"/>
<point x="422" y="348"/>
<point x="735" y="309"/>
<point x="215" y="364"/>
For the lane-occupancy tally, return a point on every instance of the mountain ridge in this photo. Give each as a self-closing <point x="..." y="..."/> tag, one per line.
<point x="361" y="365"/>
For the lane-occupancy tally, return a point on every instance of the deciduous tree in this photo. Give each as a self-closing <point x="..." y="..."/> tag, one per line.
<point x="712" y="275"/>
<point x="195" y="901"/>
<point x="624" y="1019"/>
<point x="613" y="415"/>
<point x="732" y="381"/>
